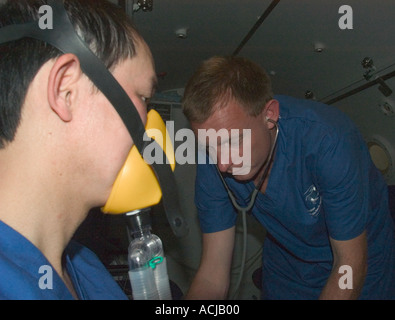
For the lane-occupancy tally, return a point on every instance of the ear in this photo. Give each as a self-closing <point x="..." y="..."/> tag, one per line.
<point x="63" y="78"/>
<point x="271" y="111"/>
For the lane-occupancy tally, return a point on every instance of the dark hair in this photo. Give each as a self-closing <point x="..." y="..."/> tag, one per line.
<point x="102" y="25"/>
<point x="221" y="78"/>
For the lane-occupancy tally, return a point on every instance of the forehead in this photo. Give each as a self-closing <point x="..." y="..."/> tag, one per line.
<point x="139" y="71"/>
<point x="229" y="115"/>
<point x="144" y="57"/>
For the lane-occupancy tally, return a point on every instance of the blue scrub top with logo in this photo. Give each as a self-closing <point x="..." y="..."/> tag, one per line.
<point x="322" y="184"/>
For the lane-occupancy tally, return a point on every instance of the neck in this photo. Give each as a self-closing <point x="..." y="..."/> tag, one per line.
<point x="262" y="178"/>
<point x="41" y="211"/>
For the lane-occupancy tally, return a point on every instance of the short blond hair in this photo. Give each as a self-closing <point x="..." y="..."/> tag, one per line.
<point x="222" y="77"/>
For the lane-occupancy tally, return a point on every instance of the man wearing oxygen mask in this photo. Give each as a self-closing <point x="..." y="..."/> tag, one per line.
<point x="62" y="144"/>
<point x="311" y="184"/>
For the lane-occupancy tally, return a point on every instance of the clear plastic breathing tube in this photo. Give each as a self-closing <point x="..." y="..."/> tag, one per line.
<point x="147" y="263"/>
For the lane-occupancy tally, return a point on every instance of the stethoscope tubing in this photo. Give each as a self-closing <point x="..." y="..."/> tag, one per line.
<point x="243" y="210"/>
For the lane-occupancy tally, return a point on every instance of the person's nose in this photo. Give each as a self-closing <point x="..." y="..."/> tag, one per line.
<point x="224" y="163"/>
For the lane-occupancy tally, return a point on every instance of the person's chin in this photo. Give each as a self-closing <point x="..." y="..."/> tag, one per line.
<point x="242" y="174"/>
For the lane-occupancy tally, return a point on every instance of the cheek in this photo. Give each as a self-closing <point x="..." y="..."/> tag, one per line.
<point x="118" y="147"/>
<point x="119" y="143"/>
<point x="114" y="143"/>
<point x="141" y="108"/>
<point x="113" y="157"/>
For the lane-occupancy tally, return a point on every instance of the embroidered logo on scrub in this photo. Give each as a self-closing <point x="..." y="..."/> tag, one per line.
<point x="312" y="200"/>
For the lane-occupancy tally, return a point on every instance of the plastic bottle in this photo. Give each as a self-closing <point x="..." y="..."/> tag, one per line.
<point x="147" y="264"/>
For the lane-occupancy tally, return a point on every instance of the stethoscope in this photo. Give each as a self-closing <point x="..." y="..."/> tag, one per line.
<point x="244" y="210"/>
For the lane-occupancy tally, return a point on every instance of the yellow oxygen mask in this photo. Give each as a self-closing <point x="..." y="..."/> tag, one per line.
<point x="136" y="186"/>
